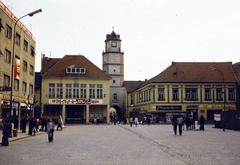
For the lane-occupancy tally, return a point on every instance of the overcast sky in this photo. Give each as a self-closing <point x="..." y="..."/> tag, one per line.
<point x="153" y="32"/>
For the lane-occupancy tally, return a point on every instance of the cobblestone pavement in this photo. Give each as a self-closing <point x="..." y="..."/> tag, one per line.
<point x="125" y="145"/>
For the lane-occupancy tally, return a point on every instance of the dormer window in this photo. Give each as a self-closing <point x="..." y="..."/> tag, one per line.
<point x="74" y="70"/>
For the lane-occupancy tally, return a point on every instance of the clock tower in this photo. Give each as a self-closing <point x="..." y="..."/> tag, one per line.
<point x="113" y="65"/>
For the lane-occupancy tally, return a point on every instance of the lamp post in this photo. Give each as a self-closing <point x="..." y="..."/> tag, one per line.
<point x="12" y="64"/>
<point x="224" y="98"/>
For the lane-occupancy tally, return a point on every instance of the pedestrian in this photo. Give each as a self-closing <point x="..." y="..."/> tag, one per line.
<point x="174" y="123"/>
<point x="136" y="121"/>
<point x="23" y="124"/>
<point x="6" y="132"/>
<point x="50" y="130"/>
<point x="196" y="124"/>
<point x="202" y="122"/>
<point x="131" y="121"/>
<point x="180" y="123"/>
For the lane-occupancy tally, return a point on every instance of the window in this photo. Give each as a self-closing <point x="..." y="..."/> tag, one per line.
<point x="30" y="89"/>
<point x="32" y="51"/>
<point x="75" y="90"/>
<point x="161" y="95"/>
<point x="25" y="45"/>
<point x="114" y="81"/>
<point x="175" y="95"/>
<point x="207" y="94"/>
<point x="25" y="66"/>
<point x="8" y="33"/>
<point x="7" y="56"/>
<point x="59" y="91"/>
<point x="18" y="39"/>
<point x="115" y="96"/>
<point x="16" y="85"/>
<point x="74" y="70"/>
<point x="219" y="93"/>
<point x="99" y="91"/>
<point x="68" y="91"/>
<point x="6" y="81"/>
<point x="83" y="91"/>
<point x="51" y="90"/>
<point x="1" y="26"/>
<point x="191" y="94"/>
<point x="91" y="91"/>
<point x="24" y="88"/>
<point x="231" y="94"/>
<point x="31" y="70"/>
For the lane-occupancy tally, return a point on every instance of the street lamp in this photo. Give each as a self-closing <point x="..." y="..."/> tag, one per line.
<point x="13" y="56"/>
<point x="224" y="98"/>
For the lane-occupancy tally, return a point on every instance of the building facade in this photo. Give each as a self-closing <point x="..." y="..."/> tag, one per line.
<point x="74" y="88"/>
<point x="187" y="89"/>
<point x="113" y="65"/>
<point x="23" y="63"/>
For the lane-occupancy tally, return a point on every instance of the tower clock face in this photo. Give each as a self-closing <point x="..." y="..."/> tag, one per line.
<point x="114" y="44"/>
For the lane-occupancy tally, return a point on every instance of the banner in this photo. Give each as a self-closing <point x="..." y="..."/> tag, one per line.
<point x="17" y="68"/>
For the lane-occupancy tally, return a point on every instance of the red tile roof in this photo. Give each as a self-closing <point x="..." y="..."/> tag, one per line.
<point x="53" y="67"/>
<point x="196" y="72"/>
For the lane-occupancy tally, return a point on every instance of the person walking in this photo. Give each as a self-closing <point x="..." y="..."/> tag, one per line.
<point x="131" y="121"/>
<point x="180" y="123"/>
<point x="174" y="123"/>
<point x="136" y="121"/>
<point x="50" y="130"/>
<point x="202" y="122"/>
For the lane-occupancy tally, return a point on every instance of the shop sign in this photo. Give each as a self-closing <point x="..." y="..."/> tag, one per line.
<point x="76" y="101"/>
<point x="167" y="107"/>
<point x="191" y="107"/>
<point x="217" y="117"/>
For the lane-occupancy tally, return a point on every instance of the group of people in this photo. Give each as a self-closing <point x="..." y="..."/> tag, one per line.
<point x="193" y="124"/>
<point x="34" y="125"/>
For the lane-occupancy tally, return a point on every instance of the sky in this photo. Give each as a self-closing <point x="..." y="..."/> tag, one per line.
<point x="154" y="33"/>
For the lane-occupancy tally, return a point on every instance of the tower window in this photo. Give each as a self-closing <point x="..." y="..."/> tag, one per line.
<point x="114" y="44"/>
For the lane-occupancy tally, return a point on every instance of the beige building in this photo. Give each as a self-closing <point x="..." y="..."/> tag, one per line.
<point x="23" y="62"/>
<point x="184" y="88"/>
<point x="76" y="89"/>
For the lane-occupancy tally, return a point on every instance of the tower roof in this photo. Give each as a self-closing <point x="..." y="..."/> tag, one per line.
<point x="113" y="36"/>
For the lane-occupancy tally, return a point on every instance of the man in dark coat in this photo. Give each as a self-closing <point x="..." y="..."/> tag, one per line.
<point x="174" y="123"/>
<point x="202" y="122"/>
<point x="6" y="131"/>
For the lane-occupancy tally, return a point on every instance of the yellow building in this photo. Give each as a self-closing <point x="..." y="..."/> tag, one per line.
<point x="23" y="62"/>
<point x="184" y="88"/>
<point x="74" y="88"/>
